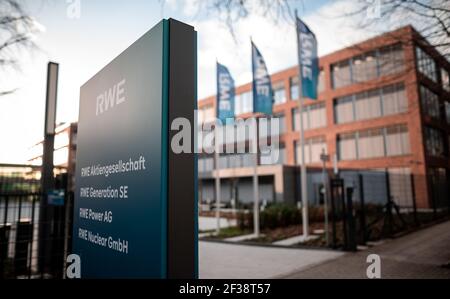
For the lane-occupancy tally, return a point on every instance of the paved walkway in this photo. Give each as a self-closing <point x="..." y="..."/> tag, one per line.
<point x="417" y="255"/>
<point x="219" y="260"/>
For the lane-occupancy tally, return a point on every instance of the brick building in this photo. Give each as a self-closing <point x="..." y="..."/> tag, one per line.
<point x="383" y="109"/>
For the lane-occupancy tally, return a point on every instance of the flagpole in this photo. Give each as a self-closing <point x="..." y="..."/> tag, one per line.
<point x="216" y="162"/>
<point x="255" y="162"/>
<point x="305" y="220"/>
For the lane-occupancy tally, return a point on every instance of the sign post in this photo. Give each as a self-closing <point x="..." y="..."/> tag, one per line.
<point x="325" y="158"/>
<point x="47" y="177"/>
<point x="135" y="213"/>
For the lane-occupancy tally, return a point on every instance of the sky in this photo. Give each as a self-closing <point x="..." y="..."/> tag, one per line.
<point x="83" y="44"/>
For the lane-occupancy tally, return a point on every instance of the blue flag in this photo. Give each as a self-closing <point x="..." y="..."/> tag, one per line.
<point x="225" y="93"/>
<point x="308" y="60"/>
<point x="262" y="86"/>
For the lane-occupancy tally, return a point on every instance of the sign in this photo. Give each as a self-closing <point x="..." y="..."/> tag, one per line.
<point x="127" y="218"/>
<point x="56" y="197"/>
<point x="262" y="86"/>
<point x="225" y="93"/>
<point x="309" y="62"/>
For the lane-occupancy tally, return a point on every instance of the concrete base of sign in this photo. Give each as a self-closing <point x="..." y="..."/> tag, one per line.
<point x="295" y="240"/>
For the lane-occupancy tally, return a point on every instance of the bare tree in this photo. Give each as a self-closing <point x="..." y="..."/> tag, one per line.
<point x="231" y="12"/>
<point x="17" y="29"/>
<point x="430" y="17"/>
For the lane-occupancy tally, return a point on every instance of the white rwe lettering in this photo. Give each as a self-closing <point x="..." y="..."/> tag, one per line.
<point x="109" y="98"/>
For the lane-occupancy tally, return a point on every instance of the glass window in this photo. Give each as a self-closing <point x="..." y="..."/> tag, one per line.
<point x="294" y="88"/>
<point x="341" y="74"/>
<point x="445" y="79"/>
<point x="430" y="102"/>
<point x="279" y="93"/>
<point x="321" y="82"/>
<point x="317" y="145"/>
<point x="275" y="155"/>
<point x="390" y="60"/>
<point x="397" y="141"/>
<point x="394" y="99"/>
<point x="347" y="146"/>
<point x="298" y="152"/>
<point x="343" y="109"/>
<point x="314" y="116"/>
<point x="367" y="105"/>
<point x="243" y="103"/>
<point x="426" y="64"/>
<point x="282" y="122"/>
<point x="447" y="111"/>
<point x="364" y="67"/>
<point x="434" y="142"/>
<point x="296" y="119"/>
<point x="317" y="116"/>
<point x="313" y="150"/>
<point x="370" y="144"/>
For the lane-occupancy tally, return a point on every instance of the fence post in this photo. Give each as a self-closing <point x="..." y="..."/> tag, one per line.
<point x="362" y="215"/>
<point x="389" y="204"/>
<point x="351" y="221"/>
<point x="413" y="192"/>
<point x="333" y="212"/>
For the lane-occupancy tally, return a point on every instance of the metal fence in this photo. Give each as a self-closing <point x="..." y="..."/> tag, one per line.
<point x="371" y="206"/>
<point x="25" y="252"/>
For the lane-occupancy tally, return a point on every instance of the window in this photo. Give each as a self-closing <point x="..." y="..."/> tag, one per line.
<point x="313" y="150"/>
<point x="447" y="111"/>
<point x="347" y="146"/>
<point x="243" y="103"/>
<point x="430" y="102"/>
<point x="206" y="114"/>
<point x="205" y="164"/>
<point x="318" y="144"/>
<point x="381" y="62"/>
<point x="397" y="141"/>
<point x="314" y="116"/>
<point x="445" y="79"/>
<point x="434" y="142"/>
<point x="341" y="74"/>
<point x="275" y="155"/>
<point x="394" y="99"/>
<point x="317" y="116"/>
<point x="279" y="93"/>
<point x="367" y="105"/>
<point x="294" y="88"/>
<point x="343" y="109"/>
<point x="265" y="130"/>
<point x="370" y="104"/>
<point x="390" y="141"/>
<point x="390" y="60"/>
<point x="282" y="122"/>
<point x="321" y="82"/>
<point x="426" y="64"/>
<point x="364" y="67"/>
<point x="370" y="144"/>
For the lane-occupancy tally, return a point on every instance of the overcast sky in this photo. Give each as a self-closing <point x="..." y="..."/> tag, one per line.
<point x="82" y="46"/>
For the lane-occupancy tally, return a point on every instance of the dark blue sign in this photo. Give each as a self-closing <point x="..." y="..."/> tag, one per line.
<point x="225" y="93"/>
<point x="262" y="86"/>
<point x="308" y="60"/>
<point x="120" y="213"/>
<point x="56" y="197"/>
